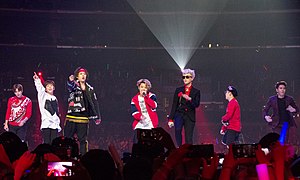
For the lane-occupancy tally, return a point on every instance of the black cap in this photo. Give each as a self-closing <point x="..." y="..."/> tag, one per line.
<point x="232" y="90"/>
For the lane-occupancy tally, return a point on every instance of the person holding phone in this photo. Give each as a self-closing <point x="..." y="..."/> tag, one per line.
<point x="83" y="107"/>
<point x="183" y="114"/>
<point x="143" y="107"/>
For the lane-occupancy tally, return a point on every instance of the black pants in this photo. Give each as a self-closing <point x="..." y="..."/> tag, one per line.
<point x="81" y="129"/>
<point x="184" y="121"/>
<point x="231" y="136"/>
<point x="19" y="130"/>
<point x="49" y="135"/>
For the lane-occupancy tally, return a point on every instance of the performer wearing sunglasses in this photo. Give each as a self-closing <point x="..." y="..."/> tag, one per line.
<point x="183" y="115"/>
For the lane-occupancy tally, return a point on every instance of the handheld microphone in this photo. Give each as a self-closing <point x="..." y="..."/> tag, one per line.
<point x="144" y="93"/>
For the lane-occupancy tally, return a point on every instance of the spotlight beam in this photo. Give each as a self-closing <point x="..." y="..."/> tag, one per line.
<point x="178" y="25"/>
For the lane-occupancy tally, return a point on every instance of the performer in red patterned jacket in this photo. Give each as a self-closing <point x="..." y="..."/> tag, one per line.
<point x="19" y="108"/>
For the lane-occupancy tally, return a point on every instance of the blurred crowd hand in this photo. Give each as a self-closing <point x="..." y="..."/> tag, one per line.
<point x="116" y="157"/>
<point x="209" y="170"/>
<point x="164" y="138"/>
<point x="4" y="158"/>
<point x="177" y="156"/>
<point x="268" y="118"/>
<point x="278" y="152"/>
<point x="289" y="152"/>
<point x="278" y="157"/>
<point x="230" y="163"/>
<point x="193" y="164"/>
<point x="23" y="163"/>
<point x="261" y="157"/>
<point x="188" y="167"/>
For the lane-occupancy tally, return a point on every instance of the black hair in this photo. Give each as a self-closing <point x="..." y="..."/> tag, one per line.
<point x="280" y="83"/>
<point x="49" y="82"/>
<point x="76" y="72"/>
<point x="17" y="87"/>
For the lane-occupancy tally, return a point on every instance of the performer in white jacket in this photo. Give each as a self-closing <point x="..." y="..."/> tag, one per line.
<point x="48" y="104"/>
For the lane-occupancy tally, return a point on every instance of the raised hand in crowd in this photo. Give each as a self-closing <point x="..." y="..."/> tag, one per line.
<point x="114" y="154"/>
<point x="175" y="158"/>
<point x="23" y="163"/>
<point x="3" y="157"/>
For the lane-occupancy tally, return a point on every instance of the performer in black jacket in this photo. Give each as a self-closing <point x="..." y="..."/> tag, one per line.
<point x="284" y="109"/>
<point x="186" y="100"/>
<point x="83" y="106"/>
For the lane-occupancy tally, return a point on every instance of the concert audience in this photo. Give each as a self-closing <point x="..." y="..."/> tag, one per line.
<point x="156" y="159"/>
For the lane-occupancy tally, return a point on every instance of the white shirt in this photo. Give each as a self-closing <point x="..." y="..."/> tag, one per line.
<point x="48" y="120"/>
<point x="144" y="123"/>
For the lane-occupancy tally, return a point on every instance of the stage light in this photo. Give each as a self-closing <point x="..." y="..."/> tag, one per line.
<point x="40" y="73"/>
<point x="178" y="25"/>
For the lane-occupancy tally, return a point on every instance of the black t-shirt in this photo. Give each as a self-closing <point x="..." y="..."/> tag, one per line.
<point x="283" y="113"/>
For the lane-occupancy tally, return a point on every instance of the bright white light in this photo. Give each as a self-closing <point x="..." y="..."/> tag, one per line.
<point x="179" y="25"/>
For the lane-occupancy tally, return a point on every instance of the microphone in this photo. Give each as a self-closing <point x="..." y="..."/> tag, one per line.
<point x="144" y="93"/>
<point x="179" y="95"/>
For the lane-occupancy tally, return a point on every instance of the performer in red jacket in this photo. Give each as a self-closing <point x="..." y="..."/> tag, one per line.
<point x="231" y="121"/>
<point x="143" y="107"/>
<point x="19" y="108"/>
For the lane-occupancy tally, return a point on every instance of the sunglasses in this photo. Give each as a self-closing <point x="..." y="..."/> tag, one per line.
<point x="186" y="77"/>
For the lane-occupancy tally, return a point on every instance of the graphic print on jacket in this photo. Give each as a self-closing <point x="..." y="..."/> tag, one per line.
<point x="51" y="107"/>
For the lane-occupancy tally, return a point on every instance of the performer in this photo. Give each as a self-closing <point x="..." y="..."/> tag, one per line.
<point x="231" y="121"/>
<point x="19" y="108"/>
<point x="48" y="104"/>
<point x="143" y="107"/>
<point x="83" y="106"/>
<point x="186" y="100"/>
<point x="284" y="109"/>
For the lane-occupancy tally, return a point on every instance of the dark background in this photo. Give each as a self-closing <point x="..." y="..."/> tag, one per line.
<point x="258" y="45"/>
